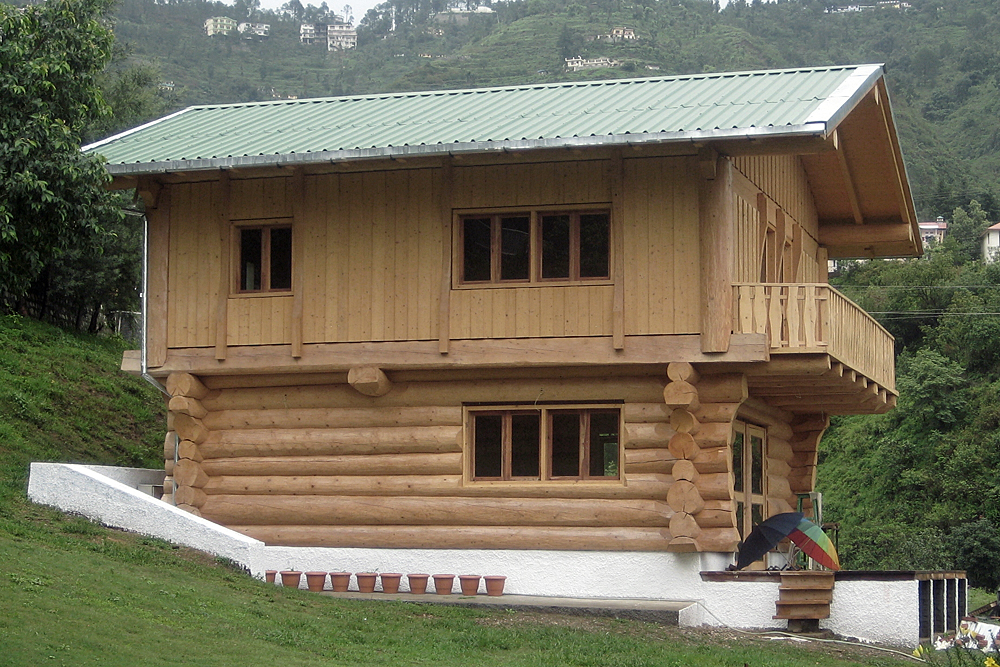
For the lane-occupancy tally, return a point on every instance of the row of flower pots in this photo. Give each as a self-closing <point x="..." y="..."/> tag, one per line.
<point x="340" y="582"/>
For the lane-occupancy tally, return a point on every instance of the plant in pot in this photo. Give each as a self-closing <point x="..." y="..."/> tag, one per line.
<point x="291" y="578"/>
<point x="315" y="581"/>
<point x="340" y="581"/>
<point x="366" y="581"/>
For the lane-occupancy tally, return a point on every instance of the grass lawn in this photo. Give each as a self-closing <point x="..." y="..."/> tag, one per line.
<point x="74" y="593"/>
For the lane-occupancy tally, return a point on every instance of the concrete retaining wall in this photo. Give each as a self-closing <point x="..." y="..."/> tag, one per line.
<point x="876" y="611"/>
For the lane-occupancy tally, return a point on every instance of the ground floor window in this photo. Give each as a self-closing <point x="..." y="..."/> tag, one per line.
<point x="544" y="443"/>
<point x="749" y="475"/>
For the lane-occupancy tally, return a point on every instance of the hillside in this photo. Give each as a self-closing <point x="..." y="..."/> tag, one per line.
<point x="74" y="593"/>
<point x="940" y="57"/>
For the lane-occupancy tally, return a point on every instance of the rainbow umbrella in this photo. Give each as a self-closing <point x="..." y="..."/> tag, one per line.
<point x="815" y="543"/>
<point x="805" y="534"/>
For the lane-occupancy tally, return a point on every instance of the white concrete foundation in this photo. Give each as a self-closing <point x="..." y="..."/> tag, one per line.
<point x="883" y="611"/>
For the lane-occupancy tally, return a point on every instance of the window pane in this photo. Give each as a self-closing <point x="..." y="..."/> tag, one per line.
<point x="738" y="462"/>
<point x="757" y="464"/>
<point x="281" y="258"/>
<point x="565" y="444"/>
<point x="756" y="514"/>
<point x="525" y="431"/>
<point x="739" y="518"/>
<point x="604" y="444"/>
<point x="488" y="431"/>
<point x="515" y="248"/>
<point x="555" y="246"/>
<point x="595" y="243"/>
<point x="250" y="258"/>
<point x="478" y="249"/>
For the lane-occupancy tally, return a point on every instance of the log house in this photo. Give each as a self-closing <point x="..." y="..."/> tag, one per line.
<point x="476" y="320"/>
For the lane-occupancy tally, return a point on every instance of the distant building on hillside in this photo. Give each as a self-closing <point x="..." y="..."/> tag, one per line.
<point x="991" y="244"/>
<point x="251" y="30"/>
<point x="310" y="32"/>
<point x="340" y="37"/>
<point x="933" y="231"/>
<point x="578" y="63"/>
<point x="219" y="25"/>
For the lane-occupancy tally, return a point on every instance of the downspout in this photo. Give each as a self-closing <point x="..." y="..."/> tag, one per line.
<point x="144" y="371"/>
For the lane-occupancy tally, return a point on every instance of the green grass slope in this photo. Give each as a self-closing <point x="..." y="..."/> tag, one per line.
<point x="74" y="593"/>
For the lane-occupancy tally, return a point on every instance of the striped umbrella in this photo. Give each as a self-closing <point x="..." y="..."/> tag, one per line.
<point x="805" y="534"/>
<point x="815" y="543"/>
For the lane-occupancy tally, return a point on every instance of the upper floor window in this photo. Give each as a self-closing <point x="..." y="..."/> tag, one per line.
<point x="544" y="443"/>
<point x="265" y="258"/>
<point x="535" y="247"/>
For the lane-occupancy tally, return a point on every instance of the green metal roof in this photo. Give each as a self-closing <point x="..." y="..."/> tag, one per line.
<point x="698" y="107"/>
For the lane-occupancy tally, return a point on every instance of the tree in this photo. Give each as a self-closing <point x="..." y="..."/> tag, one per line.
<point x="966" y="229"/>
<point x="52" y="196"/>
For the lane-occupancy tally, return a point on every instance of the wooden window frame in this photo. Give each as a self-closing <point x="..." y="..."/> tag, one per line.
<point x="535" y="215"/>
<point x="237" y="228"/>
<point x="545" y="413"/>
<point x="744" y="519"/>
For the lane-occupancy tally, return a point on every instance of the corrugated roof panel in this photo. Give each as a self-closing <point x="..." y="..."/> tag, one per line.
<point x="681" y="107"/>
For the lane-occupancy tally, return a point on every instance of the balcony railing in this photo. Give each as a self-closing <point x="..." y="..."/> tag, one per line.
<point x="814" y="317"/>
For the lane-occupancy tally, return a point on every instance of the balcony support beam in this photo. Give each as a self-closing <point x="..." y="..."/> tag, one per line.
<point x="715" y="203"/>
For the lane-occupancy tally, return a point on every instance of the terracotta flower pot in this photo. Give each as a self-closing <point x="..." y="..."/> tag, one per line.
<point x="269" y="576"/>
<point x="443" y="583"/>
<point x="390" y="582"/>
<point x="418" y="583"/>
<point x="290" y="578"/>
<point x="315" y="581"/>
<point x="340" y="581"/>
<point x="366" y="581"/>
<point x="494" y="584"/>
<point x="470" y="583"/>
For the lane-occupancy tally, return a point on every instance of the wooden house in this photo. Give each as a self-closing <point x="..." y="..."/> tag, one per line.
<point x="574" y="316"/>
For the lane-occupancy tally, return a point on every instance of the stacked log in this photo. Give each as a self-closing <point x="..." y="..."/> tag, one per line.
<point x="331" y="465"/>
<point x="185" y="416"/>
<point x="702" y="412"/>
<point x="807" y="431"/>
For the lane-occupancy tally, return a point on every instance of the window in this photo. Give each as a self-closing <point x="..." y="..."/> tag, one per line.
<point x="535" y="247"/>
<point x="749" y="475"/>
<point x="544" y="443"/>
<point x="265" y="259"/>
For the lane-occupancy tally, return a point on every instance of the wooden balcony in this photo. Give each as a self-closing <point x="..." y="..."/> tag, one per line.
<point x="815" y="319"/>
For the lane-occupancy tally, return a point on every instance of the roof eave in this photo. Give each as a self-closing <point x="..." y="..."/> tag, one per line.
<point x="809" y="129"/>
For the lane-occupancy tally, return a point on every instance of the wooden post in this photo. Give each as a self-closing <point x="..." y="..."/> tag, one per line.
<point x="298" y="193"/>
<point x="447" y="247"/>
<point x="225" y="272"/>
<point x="618" y="250"/>
<point x="156" y="300"/>
<point x="716" y="245"/>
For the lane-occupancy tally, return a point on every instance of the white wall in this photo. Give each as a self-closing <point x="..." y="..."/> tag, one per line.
<point x="884" y="612"/>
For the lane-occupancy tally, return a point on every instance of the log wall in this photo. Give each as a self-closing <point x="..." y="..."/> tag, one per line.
<point x="326" y="465"/>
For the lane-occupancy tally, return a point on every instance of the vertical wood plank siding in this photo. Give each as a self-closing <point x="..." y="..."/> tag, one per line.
<point x="784" y="181"/>
<point x="372" y="255"/>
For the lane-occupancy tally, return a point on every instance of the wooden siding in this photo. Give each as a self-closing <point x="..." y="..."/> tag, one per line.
<point x="371" y="246"/>
<point x="194" y="272"/>
<point x="662" y="276"/>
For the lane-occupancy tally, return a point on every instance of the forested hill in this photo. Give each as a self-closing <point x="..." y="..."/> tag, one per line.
<point x="941" y="59"/>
